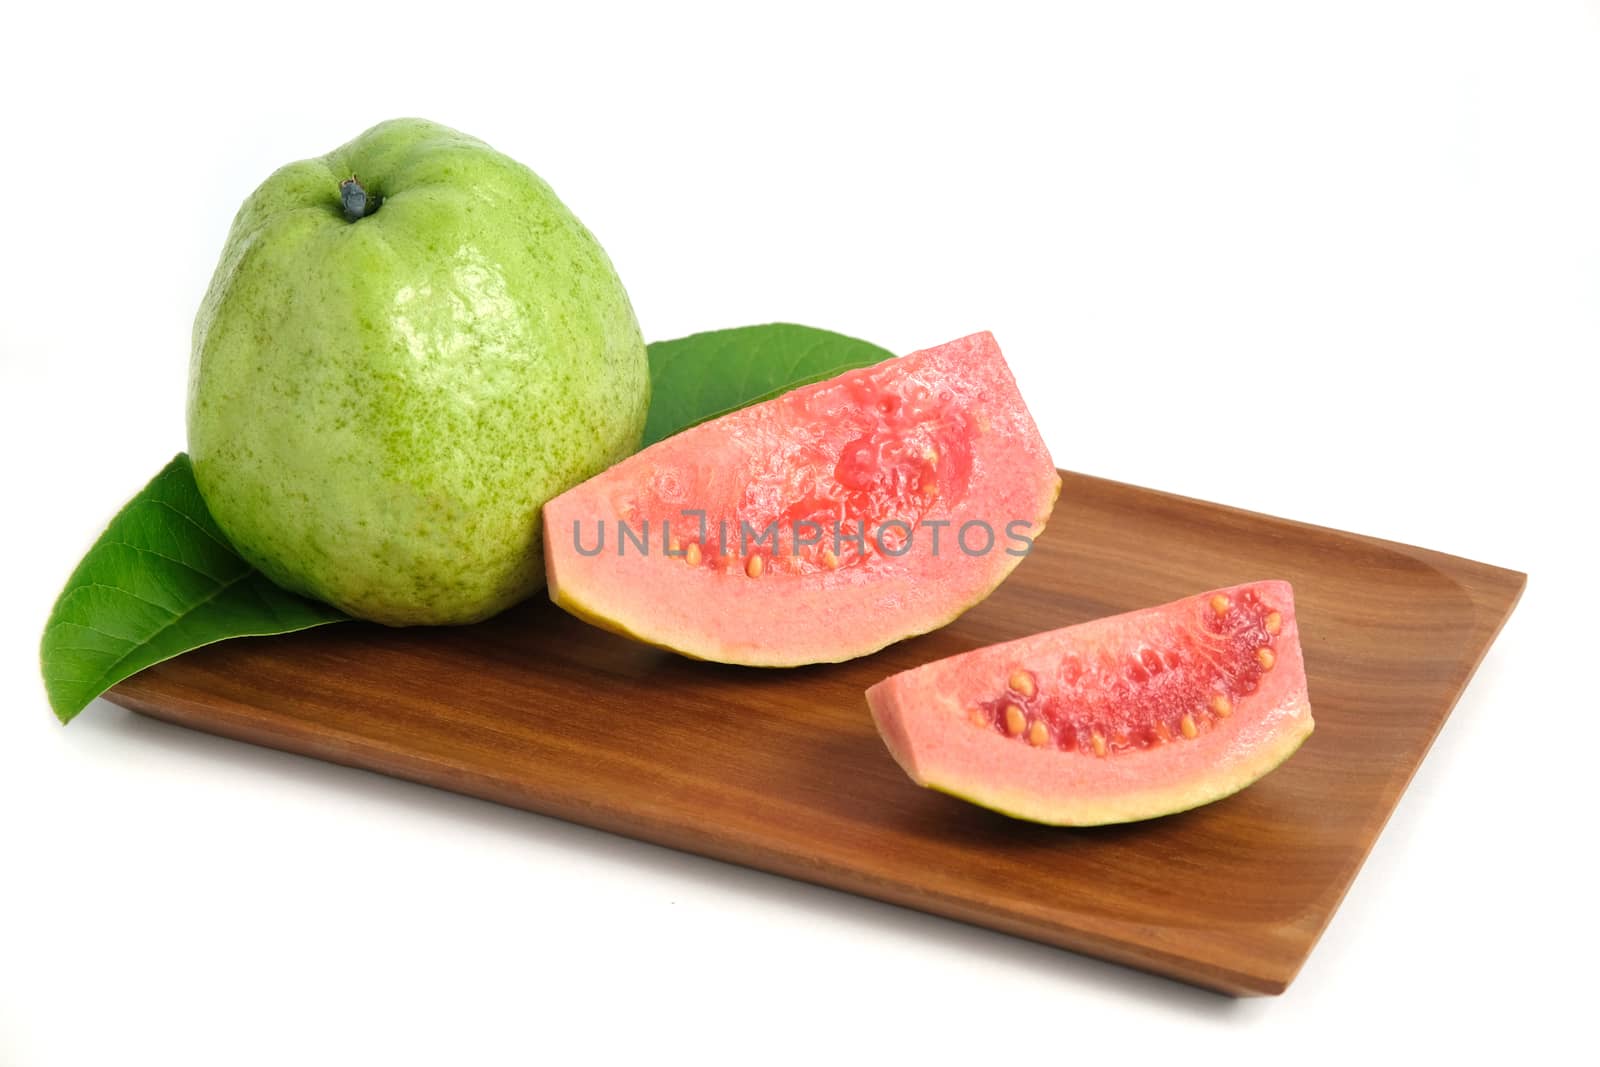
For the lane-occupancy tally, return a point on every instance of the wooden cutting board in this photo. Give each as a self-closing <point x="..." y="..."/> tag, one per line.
<point x="782" y="770"/>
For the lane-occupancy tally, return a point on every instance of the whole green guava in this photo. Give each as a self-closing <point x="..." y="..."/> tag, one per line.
<point x="408" y="346"/>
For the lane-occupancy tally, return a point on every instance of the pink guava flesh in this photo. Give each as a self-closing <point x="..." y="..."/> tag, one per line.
<point x="896" y="496"/>
<point x="1119" y="719"/>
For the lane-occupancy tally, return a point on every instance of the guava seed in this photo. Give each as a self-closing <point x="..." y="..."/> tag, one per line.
<point x="1016" y="722"/>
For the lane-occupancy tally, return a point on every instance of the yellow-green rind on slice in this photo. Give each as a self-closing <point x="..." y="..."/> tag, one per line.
<point x="1136" y="808"/>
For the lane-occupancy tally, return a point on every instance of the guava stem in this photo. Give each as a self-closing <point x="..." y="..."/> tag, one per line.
<point x="355" y="201"/>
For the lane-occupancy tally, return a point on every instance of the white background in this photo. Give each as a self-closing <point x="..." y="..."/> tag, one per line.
<point x="1336" y="262"/>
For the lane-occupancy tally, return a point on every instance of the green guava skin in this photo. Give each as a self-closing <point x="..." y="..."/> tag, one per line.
<point x="378" y="409"/>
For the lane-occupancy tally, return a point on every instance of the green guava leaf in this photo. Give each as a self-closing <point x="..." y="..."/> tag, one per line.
<point x="704" y="375"/>
<point x="161" y="580"/>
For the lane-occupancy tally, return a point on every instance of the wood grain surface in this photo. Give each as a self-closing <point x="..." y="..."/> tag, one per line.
<point x="782" y="771"/>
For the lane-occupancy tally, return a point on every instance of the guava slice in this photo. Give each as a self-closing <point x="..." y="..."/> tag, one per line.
<point x="1115" y="720"/>
<point x="818" y="526"/>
